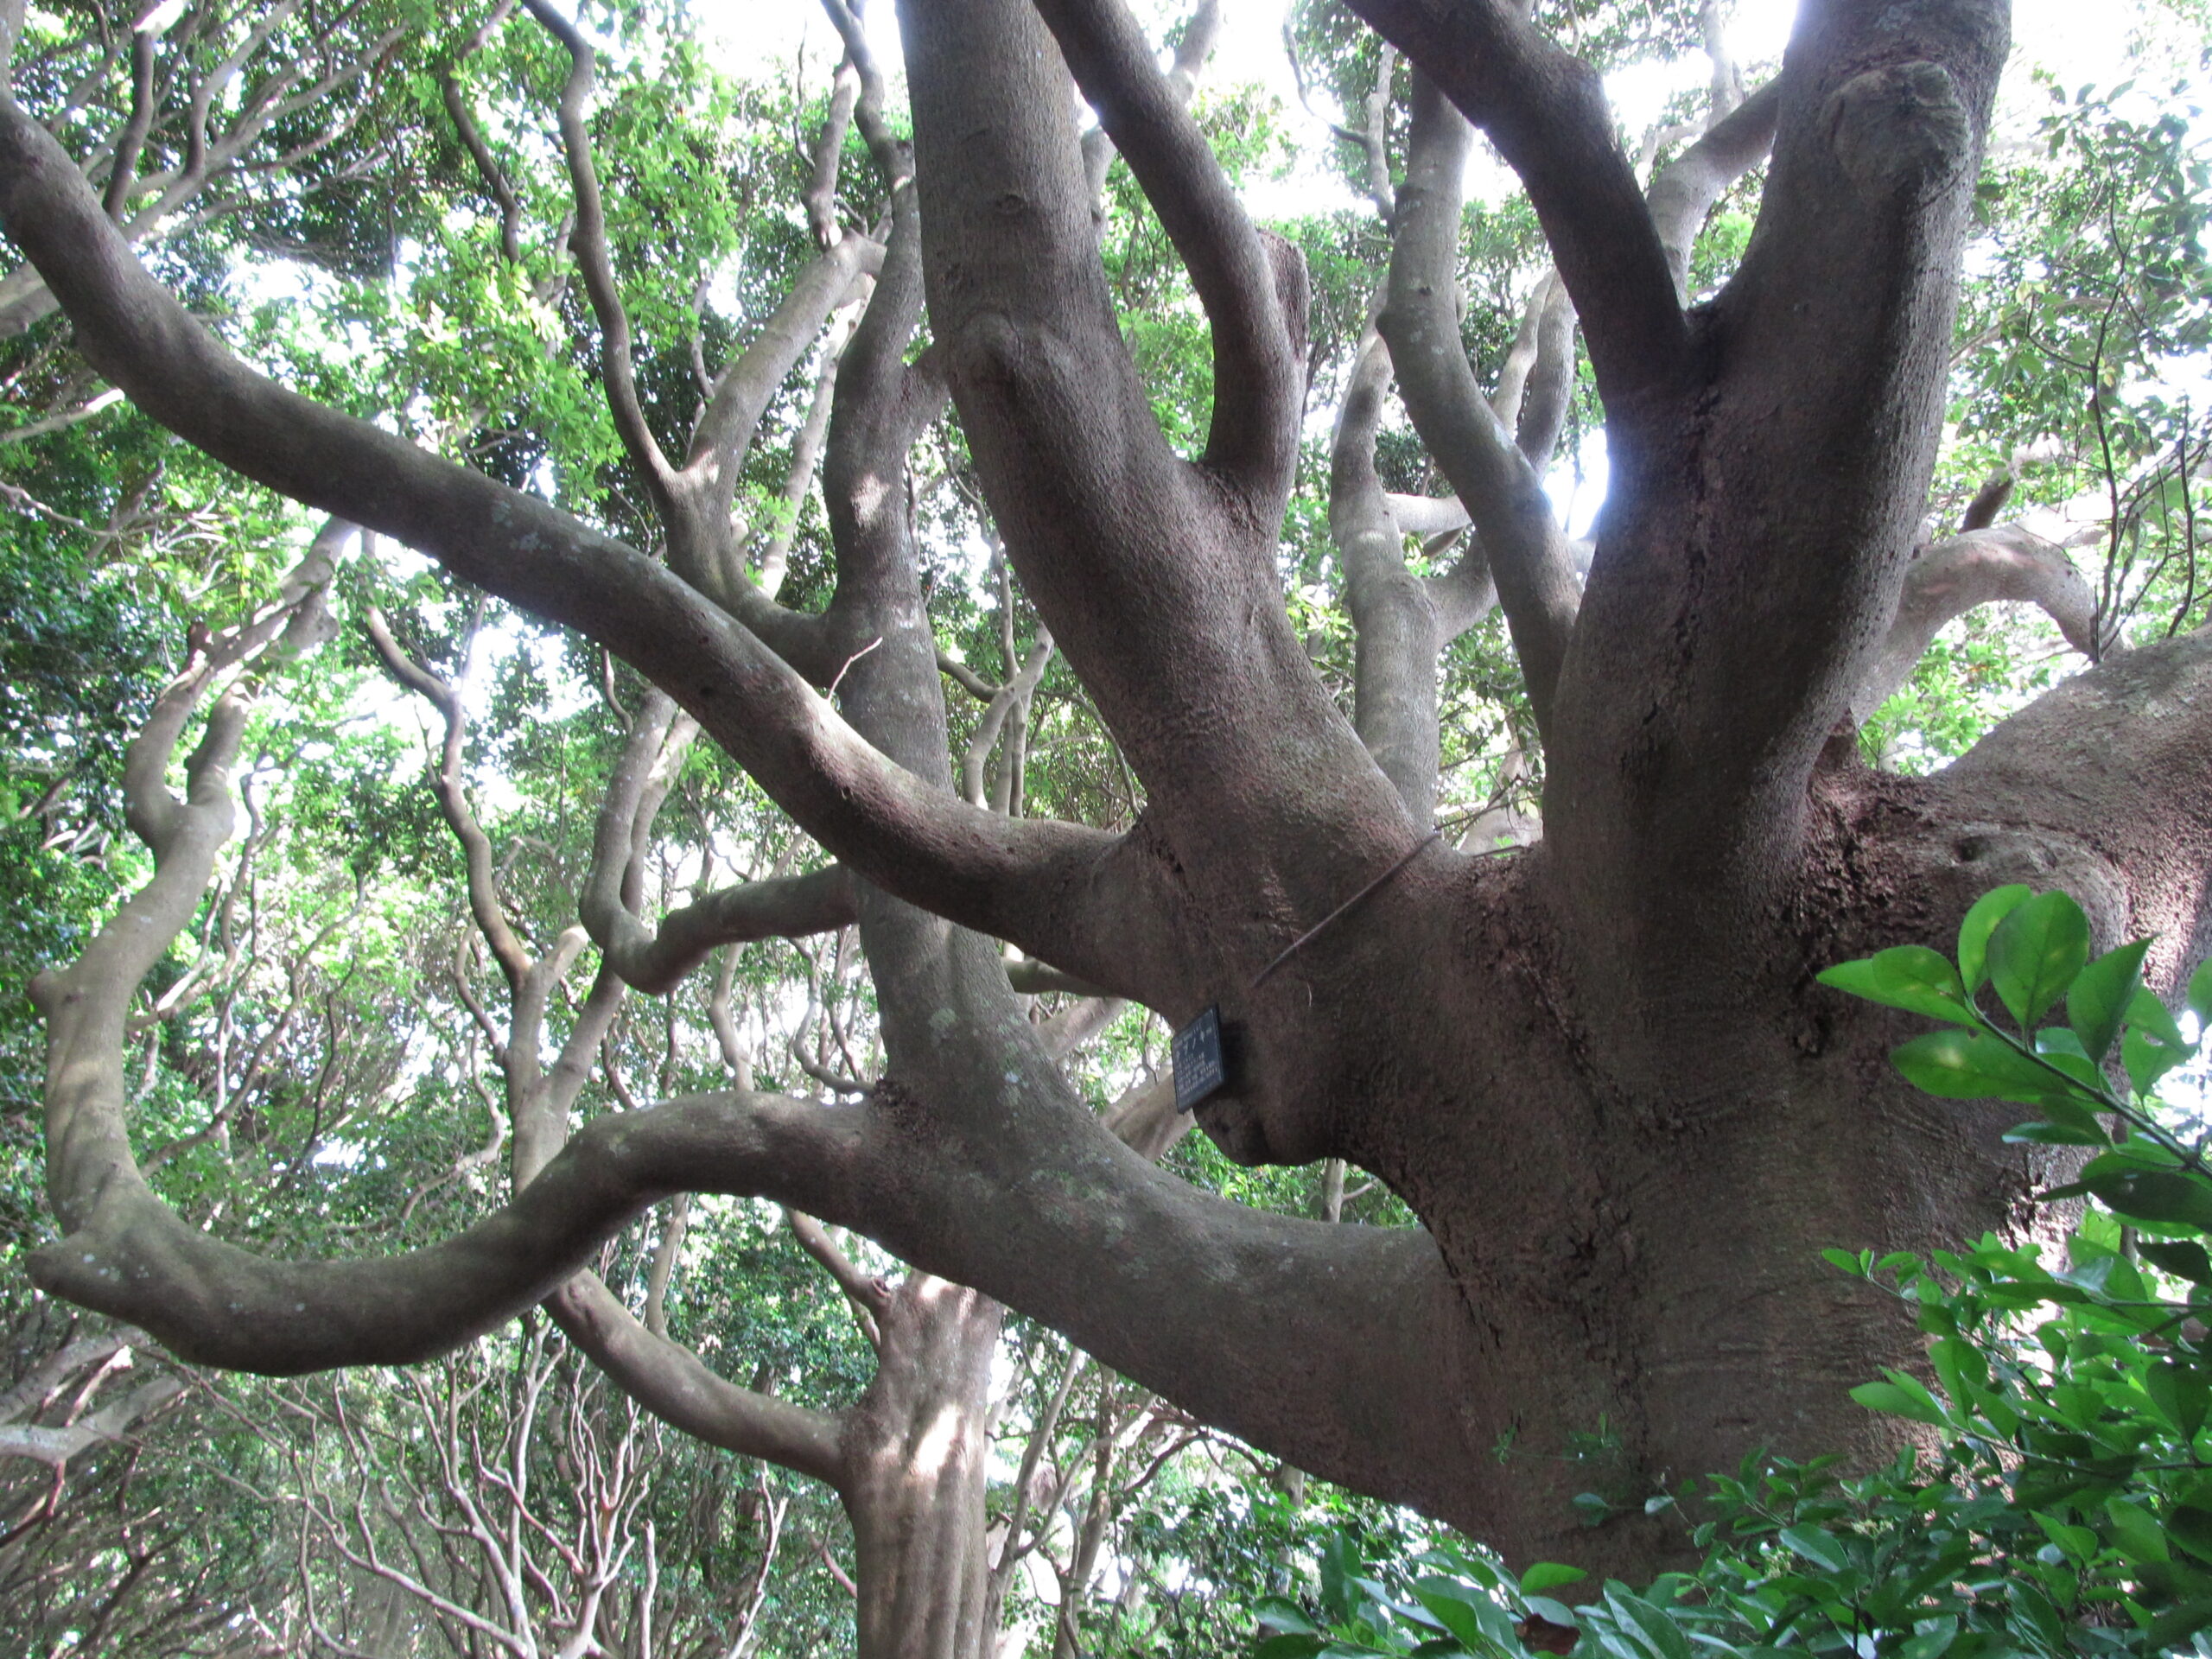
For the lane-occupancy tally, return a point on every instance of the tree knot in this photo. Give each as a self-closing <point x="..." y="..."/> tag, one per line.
<point x="1900" y="130"/>
<point x="990" y="350"/>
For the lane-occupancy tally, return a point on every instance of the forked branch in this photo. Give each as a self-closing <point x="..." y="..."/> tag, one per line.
<point x="1253" y="291"/>
<point x="1546" y="112"/>
<point x="933" y="847"/>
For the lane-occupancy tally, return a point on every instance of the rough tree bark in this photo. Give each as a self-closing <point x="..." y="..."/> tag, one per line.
<point x="1598" y="1070"/>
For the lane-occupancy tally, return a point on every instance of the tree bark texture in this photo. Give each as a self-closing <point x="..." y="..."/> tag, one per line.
<point x="1598" y="1070"/>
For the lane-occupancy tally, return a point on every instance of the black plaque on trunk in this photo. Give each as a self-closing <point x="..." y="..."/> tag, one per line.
<point x="1199" y="1068"/>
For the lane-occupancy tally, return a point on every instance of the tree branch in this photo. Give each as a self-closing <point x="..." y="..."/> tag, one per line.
<point x="1254" y="292"/>
<point x="56" y="1447"/>
<point x="1977" y="568"/>
<point x="1500" y="490"/>
<point x="1026" y="881"/>
<point x="588" y="240"/>
<point x="488" y="169"/>
<point x="869" y="1295"/>
<point x="1686" y="188"/>
<point x="1546" y="112"/>
<point x="1396" y="627"/>
<point x="670" y="1381"/>
<point x="450" y="787"/>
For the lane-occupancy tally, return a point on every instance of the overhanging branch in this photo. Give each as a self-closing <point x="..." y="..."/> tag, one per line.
<point x="931" y="848"/>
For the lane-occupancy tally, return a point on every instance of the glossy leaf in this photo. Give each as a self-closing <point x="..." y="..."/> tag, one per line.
<point x="1821" y="1549"/>
<point x="2190" y="1525"/>
<point x="2136" y="1531"/>
<point x="1907" y="976"/>
<point x="2199" y="997"/>
<point x="1890" y="1399"/>
<point x="2184" y="1258"/>
<point x="1549" y="1575"/>
<point x="1471" y="1617"/>
<point x="2035" y="953"/>
<point x="1980" y="921"/>
<point x="2146" y="1012"/>
<point x="2181" y="1392"/>
<point x="1975" y="1066"/>
<point x="2098" y="1000"/>
<point x="2155" y="1195"/>
<point x="2170" y="1628"/>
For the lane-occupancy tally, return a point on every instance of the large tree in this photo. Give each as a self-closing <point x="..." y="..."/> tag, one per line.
<point x="1597" y="1070"/>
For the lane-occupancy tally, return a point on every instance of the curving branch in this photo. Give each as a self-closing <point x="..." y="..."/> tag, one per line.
<point x="494" y="176"/>
<point x="1027" y="881"/>
<point x="743" y="390"/>
<point x="1977" y="568"/>
<point x="123" y="170"/>
<point x="822" y="186"/>
<point x="1499" y="485"/>
<point x="55" y="1444"/>
<point x="1342" y="1297"/>
<point x="588" y="241"/>
<point x="450" y="788"/>
<point x="210" y="113"/>
<point x="1546" y="112"/>
<point x="1253" y="288"/>
<point x="1535" y="384"/>
<point x="1398" y="630"/>
<point x="1006" y="701"/>
<point x="869" y="1295"/>
<point x="665" y="1376"/>
<point x="776" y="907"/>
<point x="774" y="562"/>
<point x="670" y="1381"/>
<point x="1192" y="49"/>
<point x="1683" y="193"/>
<point x="656" y="961"/>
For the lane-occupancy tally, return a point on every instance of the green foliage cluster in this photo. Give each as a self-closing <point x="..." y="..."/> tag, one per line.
<point x="2062" y="1501"/>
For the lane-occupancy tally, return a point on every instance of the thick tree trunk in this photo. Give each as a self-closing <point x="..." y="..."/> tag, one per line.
<point x="1598" y="1071"/>
<point x="917" y="1450"/>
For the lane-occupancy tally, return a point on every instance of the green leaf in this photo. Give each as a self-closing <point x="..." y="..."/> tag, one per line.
<point x="2176" y="1625"/>
<point x="1990" y="909"/>
<point x="1662" y="1635"/>
<point x="2200" y="994"/>
<point x="1895" y="1401"/>
<point x="1292" y="1646"/>
<point x="1822" y="1549"/>
<point x="1549" y="1575"/>
<point x="2147" y="1061"/>
<point x="1975" y="1066"/>
<point x="1931" y="1644"/>
<point x="1592" y="1507"/>
<point x="2183" y="1258"/>
<point x="2155" y="1195"/>
<point x="2079" y="1542"/>
<point x="2181" y="1392"/>
<point x="2035" y="953"/>
<point x="1909" y="977"/>
<point x="2190" y="1525"/>
<point x="1284" y="1615"/>
<point x="2146" y="1012"/>
<point x="1552" y="1612"/>
<point x="1471" y="1617"/>
<point x="2100" y="994"/>
<point x="2136" y="1531"/>
<point x="2044" y="1134"/>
